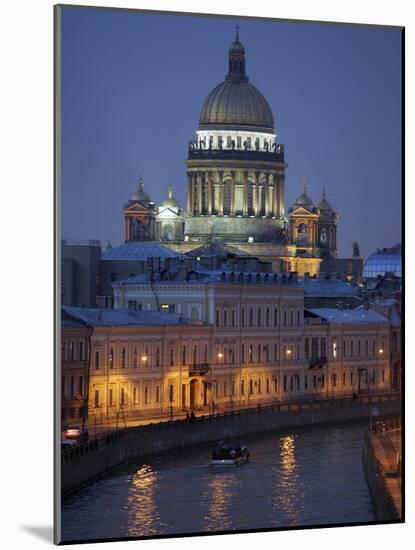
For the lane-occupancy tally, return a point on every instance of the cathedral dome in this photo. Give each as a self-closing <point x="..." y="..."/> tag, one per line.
<point x="235" y="104"/>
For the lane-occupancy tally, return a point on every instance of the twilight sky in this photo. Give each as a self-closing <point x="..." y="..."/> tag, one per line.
<point x="133" y="85"/>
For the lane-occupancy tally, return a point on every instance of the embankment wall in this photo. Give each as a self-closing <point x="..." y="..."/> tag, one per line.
<point x="100" y="456"/>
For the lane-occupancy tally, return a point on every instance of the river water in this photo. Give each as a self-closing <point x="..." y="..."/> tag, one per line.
<point x="302" y="476"/>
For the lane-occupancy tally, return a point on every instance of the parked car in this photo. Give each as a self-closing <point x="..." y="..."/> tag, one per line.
<point x="76" y="433"/>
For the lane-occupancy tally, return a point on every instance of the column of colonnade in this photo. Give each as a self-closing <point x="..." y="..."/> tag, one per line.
<point x="273" y="203"/>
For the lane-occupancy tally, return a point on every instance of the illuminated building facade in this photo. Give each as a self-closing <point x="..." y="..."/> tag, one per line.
<point x="236" y="186"/>
<point x="75" y="349"/>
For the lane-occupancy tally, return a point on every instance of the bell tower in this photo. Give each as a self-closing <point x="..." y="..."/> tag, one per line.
<point x="140" y="216"/>
<point x="327" y="229"/>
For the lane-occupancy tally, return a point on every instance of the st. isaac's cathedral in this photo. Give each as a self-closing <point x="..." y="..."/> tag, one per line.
<point x="235" y="187"/>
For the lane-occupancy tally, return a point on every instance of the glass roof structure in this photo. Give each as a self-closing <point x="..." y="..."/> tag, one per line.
<point x="382" y="262"/>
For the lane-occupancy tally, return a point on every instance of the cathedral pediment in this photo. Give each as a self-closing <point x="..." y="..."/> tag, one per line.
<point x="167" y="213"/>
<point x="136" y="207"/>
<point x="301" y="211"/>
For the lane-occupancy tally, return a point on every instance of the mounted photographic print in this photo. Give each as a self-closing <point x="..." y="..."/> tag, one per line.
<point x="229" y="274"/>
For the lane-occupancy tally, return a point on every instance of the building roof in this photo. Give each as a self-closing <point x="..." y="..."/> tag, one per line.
<point x="104" y="317"/>
<point x="139" y="251"/>
<point x="218" y="250"/>
<point x="70" y="322"/>
<point x="327" y="288"/>
<point x="204" y="275"/>
<point x="357" y="316"/>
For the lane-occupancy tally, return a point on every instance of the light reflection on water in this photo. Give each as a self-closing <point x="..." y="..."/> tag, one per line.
<point x="143" y="515"/>
<point x="220" y="493"/>
<point x="303" y="476"/>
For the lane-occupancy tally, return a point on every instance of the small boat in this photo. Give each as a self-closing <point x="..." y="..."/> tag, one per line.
<point x="229" y="455"/>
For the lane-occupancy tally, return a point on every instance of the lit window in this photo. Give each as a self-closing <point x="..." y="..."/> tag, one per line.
<point x="334" y="349"/>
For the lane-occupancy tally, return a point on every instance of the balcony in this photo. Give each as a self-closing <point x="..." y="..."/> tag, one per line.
<point x="237" y="154"/>
<point x="318" y="362"/>
<point x="199" y="369"/>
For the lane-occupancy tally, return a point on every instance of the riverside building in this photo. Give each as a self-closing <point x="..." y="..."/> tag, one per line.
<point x="260" y="349"/>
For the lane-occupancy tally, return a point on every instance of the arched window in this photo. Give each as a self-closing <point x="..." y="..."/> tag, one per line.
<point x="302" y="234"/>
<point x="323" y="235"/>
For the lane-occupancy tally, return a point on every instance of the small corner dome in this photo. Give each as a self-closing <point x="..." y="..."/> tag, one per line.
<point x="304" y="200"/>
<point x="325" y="206"/>
<point x="170" y="201"/>
<point x="140" y="194"/>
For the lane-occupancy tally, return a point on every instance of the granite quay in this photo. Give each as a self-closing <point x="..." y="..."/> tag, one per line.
<point x="382" y="461"/>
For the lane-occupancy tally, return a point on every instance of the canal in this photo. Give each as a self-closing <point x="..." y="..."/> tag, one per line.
<point x="303" y="476"/>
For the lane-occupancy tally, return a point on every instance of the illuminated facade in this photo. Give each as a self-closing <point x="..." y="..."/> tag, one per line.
<point x="75" y="349"/>
<point x="236" y="186"/>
